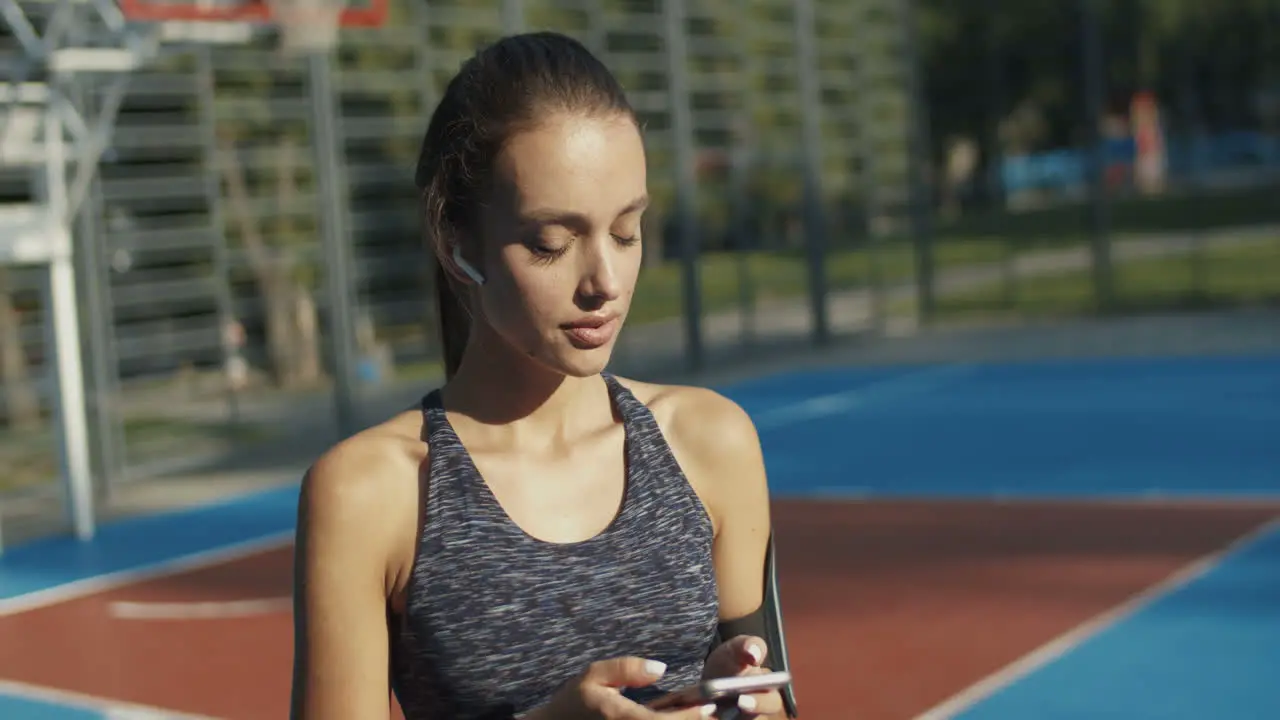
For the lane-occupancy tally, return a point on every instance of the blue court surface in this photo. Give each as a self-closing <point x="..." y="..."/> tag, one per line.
<point x="1204" y="644"/>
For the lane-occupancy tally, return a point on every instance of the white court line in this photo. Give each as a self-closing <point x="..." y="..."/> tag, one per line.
<point x="1077" y="636"/>
<point x="111" y="709"/>
<point x="903" y="385"/>
<point x="120" y="578"/>
<point x="203" y="610"/>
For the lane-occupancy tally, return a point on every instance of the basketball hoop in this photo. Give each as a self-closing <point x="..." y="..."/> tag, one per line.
<point x="303" y="26"/>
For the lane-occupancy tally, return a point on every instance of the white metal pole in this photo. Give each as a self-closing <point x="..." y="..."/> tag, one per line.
<point x="63" y="312"/>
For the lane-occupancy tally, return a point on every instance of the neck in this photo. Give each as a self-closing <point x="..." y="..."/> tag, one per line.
<point x="496" y="385"/>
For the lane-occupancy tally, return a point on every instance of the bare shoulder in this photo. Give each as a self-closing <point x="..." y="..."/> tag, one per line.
<point x="712" y="437"/>
<point x="371" y="469"/>
<point x="364" y="490"/>
<point x="702" y="419"/>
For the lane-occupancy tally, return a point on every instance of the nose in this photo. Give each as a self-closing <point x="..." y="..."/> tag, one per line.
<point x="599" y="283"/>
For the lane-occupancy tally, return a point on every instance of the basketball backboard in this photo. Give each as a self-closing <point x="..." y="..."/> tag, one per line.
<point x="303" y="24"/>
<point x="351" y="13"/>
<point x="348" y="13"/>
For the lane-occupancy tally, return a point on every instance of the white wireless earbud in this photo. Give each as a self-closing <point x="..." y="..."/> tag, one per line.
<point x="467" y="267"/>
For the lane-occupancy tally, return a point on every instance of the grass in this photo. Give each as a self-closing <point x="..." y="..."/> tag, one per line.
<point x="783" y="275"/>
<point x="1175" y="213"/>
<point x="29" y="457"/>
<point x="1220" y="277"/>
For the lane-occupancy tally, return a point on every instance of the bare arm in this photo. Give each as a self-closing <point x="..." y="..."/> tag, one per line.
<point x="347" y="532"/>
<point x="720" y="452"/>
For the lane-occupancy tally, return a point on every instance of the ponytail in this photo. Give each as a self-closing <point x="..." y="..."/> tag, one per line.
<point x="455" y="322"/>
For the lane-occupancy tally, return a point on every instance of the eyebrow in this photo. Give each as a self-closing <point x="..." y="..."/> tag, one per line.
<point x="567" y="217"/>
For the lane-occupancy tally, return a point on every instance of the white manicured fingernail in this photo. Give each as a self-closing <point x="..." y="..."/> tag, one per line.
<point x="756" y="653"/>
<point x="655" y="667"/>
<point x="746" y="703"/>
<point x="708" y="710"/>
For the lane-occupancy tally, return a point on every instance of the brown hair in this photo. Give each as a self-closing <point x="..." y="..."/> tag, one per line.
<point x="502" y="89"/>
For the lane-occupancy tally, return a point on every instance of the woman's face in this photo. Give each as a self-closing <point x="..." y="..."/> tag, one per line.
<point x="561" y="240"/>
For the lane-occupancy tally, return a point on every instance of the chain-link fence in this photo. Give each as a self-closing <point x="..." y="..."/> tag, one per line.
<point x="820" y="170"/>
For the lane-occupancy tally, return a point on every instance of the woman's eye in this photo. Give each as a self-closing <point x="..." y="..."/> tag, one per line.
<point x="550" y="249"/>
<point x="547" y="251"/>
<point x="546" y="247"/>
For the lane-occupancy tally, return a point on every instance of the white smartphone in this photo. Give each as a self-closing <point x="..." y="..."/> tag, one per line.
<point x="720" y="688"/>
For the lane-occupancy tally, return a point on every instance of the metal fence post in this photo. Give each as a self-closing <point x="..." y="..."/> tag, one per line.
<point x="331" y="186"/>
<point x="419" y="17"/>
<point x="1190" y="100"/>
<point x="742" y="163"/>
<point x="866" y="77"/>
<point x="1094" y="89"/>
<point x="919" y="171"/>
<point x="217" y="220"/>
<point x="811" y="140"/>
<point x="686" y="185"/>
<point x="994" y="111"/>
<point x="512" y="16"/>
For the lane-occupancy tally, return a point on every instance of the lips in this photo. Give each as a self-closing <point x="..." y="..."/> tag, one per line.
<point x="591" y="332"/>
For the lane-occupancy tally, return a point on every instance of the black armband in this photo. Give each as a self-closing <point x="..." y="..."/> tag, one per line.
<point x="766" y="623"/>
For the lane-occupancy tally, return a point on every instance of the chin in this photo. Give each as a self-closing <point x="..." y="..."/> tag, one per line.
<point x="583" y="363"/>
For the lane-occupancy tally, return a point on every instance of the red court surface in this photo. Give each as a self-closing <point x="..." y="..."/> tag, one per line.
<point x="891" y="607"/>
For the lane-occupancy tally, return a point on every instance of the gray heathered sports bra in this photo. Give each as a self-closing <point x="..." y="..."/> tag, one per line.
<point x="497" y="620"/>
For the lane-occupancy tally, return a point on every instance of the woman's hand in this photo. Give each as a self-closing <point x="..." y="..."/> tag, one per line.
<point x="744" y="655"/>
<point x="596" y="694"/>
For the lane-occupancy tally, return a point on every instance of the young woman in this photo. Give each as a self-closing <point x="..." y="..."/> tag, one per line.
<point x="540" y="539"/>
